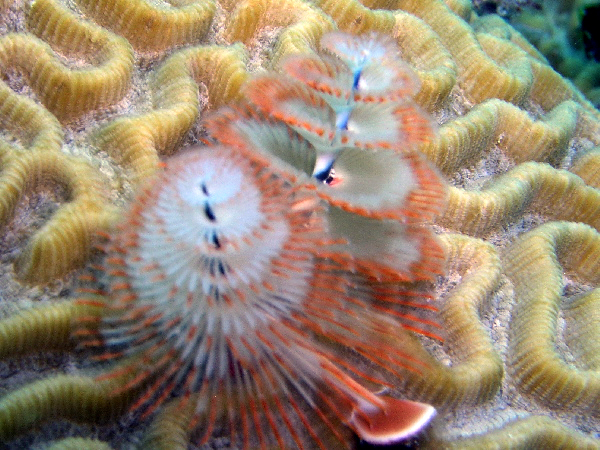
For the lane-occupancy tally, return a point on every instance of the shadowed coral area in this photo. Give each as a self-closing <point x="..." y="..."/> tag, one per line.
<point x="95" y="93"/>
<point x="563" y="32"/>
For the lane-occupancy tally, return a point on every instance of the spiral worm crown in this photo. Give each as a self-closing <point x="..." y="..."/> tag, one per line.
<point x="213" y="289"/>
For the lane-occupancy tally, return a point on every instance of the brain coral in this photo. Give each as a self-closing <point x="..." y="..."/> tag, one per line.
<point x="94" y="94"/>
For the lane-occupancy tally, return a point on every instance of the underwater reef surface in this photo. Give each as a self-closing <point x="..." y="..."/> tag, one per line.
<point x="94" y="93"/>
<point x="564" y="32"/>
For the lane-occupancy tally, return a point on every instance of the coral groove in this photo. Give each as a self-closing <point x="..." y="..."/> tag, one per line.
<point x="71" y="397"/>
<point x="583" y="324"/>
<point x="588" y="168"/>
<point x="531" y="186"/>
<point x="533" y="432"/>
<point x="302" y="25"/>
<point x="69" y="93"/>
<point x="40" y="328"/>
<point x="495" y="122"/>
<point x="138" y="141"/>
<point x="532" y="264"/>
<point x="64" y="241"/>
<point x="78" y="443"/>
<point x="474" y="357"/>
<point x="151" y="28"/>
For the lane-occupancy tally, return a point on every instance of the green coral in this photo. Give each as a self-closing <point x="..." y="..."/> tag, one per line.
<point x="555" y="28"/>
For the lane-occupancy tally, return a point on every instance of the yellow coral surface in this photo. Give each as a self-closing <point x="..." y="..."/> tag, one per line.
<point x="95" y="92"/>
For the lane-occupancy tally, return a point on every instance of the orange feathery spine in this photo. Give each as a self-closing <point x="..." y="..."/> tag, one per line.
<point x="262" y="281"/>
<point x="344" y="123"/>
<point x="215" y="290"/>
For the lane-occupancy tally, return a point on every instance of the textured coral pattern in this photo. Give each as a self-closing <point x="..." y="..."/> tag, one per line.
<point x="95" y="93"/>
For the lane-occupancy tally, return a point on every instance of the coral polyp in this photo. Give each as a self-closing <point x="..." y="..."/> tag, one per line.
<point x="215" y="291"/>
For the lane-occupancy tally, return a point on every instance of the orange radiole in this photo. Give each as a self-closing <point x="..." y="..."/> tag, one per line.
<point x="259" y="281"/>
